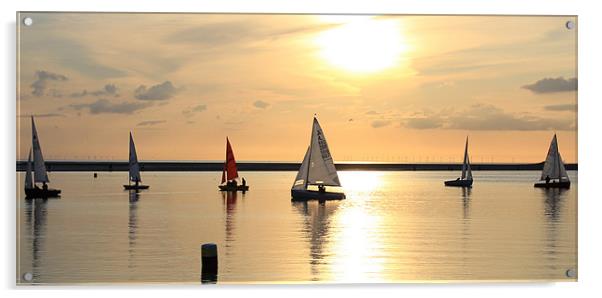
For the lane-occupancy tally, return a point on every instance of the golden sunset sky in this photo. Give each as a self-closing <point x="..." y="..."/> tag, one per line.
<point x="385" y="88"/>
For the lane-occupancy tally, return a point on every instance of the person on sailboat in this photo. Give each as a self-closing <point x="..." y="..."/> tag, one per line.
<point x="548" y="179"/>
<point x="244" y="182"/>
<point x="45" y="186"/>
<point x="321" y="188"/>
<point x="232" y="183"/>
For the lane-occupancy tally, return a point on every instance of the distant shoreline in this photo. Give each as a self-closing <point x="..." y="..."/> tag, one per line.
<point x="185" y="166"/>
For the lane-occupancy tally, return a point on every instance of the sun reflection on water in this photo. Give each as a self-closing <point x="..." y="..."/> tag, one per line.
<point x="355" y="244"/>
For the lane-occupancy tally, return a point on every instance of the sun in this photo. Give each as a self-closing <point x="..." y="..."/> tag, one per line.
<point x="362" y="44"/>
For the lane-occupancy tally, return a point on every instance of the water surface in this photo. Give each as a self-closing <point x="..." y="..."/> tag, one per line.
<point x="393" y="227"/>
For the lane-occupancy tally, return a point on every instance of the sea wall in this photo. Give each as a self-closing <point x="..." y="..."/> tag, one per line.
<point x="161" y="166"/>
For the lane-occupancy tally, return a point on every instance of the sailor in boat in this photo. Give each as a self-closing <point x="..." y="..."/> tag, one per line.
<point x="321" y="188"/>
<point x="244" y="182"/>
<point x="232" y="183"/>
<point x="548" y="179"/>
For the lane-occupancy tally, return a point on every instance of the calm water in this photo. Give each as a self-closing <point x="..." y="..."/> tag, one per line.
<point x="394" y="226"/>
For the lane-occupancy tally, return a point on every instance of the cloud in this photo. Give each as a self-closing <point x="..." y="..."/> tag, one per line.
<point x="68" y="53"/>
<point x="151" y="122"/>
<point x="489" y="118"/>
<point x="103" y="106"/>
<point x="41" y="83"/>
<point x="237" y="33"/>
<point x="189" y="112"/>
<point x="47" y="115"/>
<point x="380" y="123"/>
<point x="260" y="104"/>
<point x="551" y="85"/>
<point x="423" y="123"/>
<point x="108" y="89"/>
<point x="214" y="34"/>
<point x="561" y="107"/>
<point x="163" y="91"/>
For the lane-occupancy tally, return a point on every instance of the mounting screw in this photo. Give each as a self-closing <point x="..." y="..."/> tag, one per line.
<point x="571" y="273"/>
<point x="28" y="21"/>
<point x="28" y="276"/>
<point x="570" y="25"/>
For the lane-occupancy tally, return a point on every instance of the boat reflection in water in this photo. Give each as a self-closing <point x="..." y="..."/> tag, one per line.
<point x="553" y="199"/>
<point x="35" y="216"/>
<point x="316" y="217"/>
<point x="342" y="234"/>
<point x="134" y="196"/>
<point x="229" y="199"/>
<point x="394" y="226"/>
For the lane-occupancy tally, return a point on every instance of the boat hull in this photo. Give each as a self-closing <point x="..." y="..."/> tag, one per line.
<point x="308" y="195"/>
<point x="459" y="183"/>
<point x="135" y="187"/>
<point x="233" y="188"/>
<point x="561" y="184"/>
<point x="40" y="193"/>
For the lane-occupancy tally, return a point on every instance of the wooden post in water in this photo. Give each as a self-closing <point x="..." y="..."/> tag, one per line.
<point x="209" y="263"/>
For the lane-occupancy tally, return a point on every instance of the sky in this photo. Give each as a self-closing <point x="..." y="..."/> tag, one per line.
<point x="384" y="88"/>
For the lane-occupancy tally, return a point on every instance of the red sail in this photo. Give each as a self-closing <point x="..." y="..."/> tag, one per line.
<point x="231" y="171"/>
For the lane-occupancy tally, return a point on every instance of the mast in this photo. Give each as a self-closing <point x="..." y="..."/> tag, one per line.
<point x="311" y="141"/>
<point x="39" y="167"/>
<point x="224" y="173"/>
<point x="465" y="163"/>
<point x="558" y="159"/>
<point x="28" y="181"/>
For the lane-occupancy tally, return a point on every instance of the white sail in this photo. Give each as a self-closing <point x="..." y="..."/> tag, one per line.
<point x="39" y="167"/>
<point x="554" y="167"/>
<point x="300" y="180"/>
<point x="133" y="162"/>
<point x="466" y="170"/>
<point x="321" y="166"/>
<point x="28" y="181"/>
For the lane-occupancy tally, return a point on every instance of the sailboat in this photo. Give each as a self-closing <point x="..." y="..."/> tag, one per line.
<point x="39" y="171"/>
<point x="134" y="171"/>
<point x="317" y="171"/>
<point x="230" y="172"/>
<point x="466" y="179"/>
<point x="554" y="173"/>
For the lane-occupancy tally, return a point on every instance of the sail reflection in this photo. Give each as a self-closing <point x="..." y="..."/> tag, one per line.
<point x="466" y="191"/>
<point x="316" y="223"/>
<point x="342" y="254"/>
<point x="553" y="203"/>
<point x="134" y="196"/>
<point x="36" y="213"/>
<point x="229" y="199"/>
